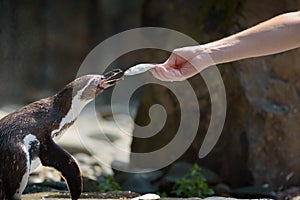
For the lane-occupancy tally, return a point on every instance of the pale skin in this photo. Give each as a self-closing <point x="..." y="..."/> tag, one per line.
<point x="278" y="34"/>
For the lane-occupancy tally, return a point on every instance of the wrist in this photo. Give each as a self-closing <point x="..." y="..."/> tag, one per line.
<point x="222" y="51"/>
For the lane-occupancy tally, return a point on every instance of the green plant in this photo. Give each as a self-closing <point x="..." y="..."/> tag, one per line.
<point x="107" y="183"/>
<point x="192" y="184"/>
<point x="162" y="194"/>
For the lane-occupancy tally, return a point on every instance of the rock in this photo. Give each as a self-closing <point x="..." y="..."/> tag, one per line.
<point x="228" y="159"/>
<point x="150" y="176"/>
<point x="147" y="197"/>
<point x="271" y="85"/>
<point x="42" y="174"/>
<point x="46" y="186"/>
<point x="89" y="166"/>
<point x="219" y="198"/>
<point x="140" y="184"/>
<point x="35" y="188"/>
<point x="211" y="177"/>
<point x="93" y="195"/>
<point x="179" y="169"/>
<point x="253" y="192"/>
<point x="98" y="144"/>
<point x="121" y="176"/>
<point x="221" y="189"/>
<point x="260" y="140"/>
<point x="292" y="193"/>
<point x="89" y="185"/>
<point x="84" y="158"/>
<point x="259" y="143"/>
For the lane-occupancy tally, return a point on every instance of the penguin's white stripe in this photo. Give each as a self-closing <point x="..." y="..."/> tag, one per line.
<point x="77" y="105"/>
<point x="28" y="139"/>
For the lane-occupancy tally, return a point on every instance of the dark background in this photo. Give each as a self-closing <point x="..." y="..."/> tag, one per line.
<point x="42" y="44"/>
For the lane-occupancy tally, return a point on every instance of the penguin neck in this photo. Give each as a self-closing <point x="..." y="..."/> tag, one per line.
<point x="68" y="104"/>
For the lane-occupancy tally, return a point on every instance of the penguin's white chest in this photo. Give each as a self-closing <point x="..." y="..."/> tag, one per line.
<point x="30" y="143"/>
<point x="77" y="105"/>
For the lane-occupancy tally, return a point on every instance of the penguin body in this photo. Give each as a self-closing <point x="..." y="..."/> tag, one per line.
<point x="26" y="135"/>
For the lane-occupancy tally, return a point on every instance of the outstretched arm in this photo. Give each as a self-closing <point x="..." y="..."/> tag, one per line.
<point x="276" y="35"/>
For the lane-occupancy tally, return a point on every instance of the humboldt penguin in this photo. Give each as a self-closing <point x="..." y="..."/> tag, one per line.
<point x="26" y="135"/>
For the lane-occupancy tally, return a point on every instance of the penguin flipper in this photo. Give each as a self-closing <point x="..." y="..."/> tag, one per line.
<point x="54" y="156"/>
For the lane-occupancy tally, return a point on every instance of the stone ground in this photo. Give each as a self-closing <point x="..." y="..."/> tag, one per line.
<point x="83" y="140"/>
<point x="107" y="196"/>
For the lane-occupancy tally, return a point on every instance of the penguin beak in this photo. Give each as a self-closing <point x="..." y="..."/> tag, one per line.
<point x="109" y="79"/>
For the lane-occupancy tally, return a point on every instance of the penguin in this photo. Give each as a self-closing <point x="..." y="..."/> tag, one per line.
<point x="27" y="135"/>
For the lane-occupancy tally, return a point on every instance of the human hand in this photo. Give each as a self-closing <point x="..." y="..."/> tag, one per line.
<point x="182" y="64"/>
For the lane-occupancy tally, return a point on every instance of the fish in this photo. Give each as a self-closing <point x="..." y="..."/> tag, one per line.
<point x="139" y="68"/>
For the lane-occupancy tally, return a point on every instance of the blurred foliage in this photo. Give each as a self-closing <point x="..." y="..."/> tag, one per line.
<point x="192" y="184"/>
<point x="107" y="183"/>
<point x="162" y="194"/>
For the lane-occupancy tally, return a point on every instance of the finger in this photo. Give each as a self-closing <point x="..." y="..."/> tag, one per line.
<point x="158" y="74"/>
<point x="171" y="75"/>
<point x="163" y="74"/>
<point x="176" y="75"/>
<point x="155" y="74"/>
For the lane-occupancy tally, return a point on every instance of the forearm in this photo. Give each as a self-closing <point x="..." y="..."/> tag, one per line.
<point x="276" y="35"/>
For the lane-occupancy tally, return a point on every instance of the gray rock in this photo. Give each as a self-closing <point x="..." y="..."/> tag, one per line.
<point x="253" y="192"/>
<point x="84" y="196"/>
<point x="122" y="176"/>
<point x="179" y="169"/>
<point x="89" y="185"/>
<point x="176" y="172"/>
<point x="35" y="188"/>
<point x="289" y="193"/>
<point x="46" y="186"/>
<point x="138" y="183"/>
<point x="221" y="189"/>
<point x="219" y="198"/>
<point x="211" y="177"/>
<point x="260" y="139"/>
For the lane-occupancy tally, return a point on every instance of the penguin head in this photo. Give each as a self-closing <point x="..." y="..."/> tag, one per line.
<point x="107" y="80"/>
<point x="85" y="88"/>
<point x="78" y="93"/>
<point x="89" y="86"/>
